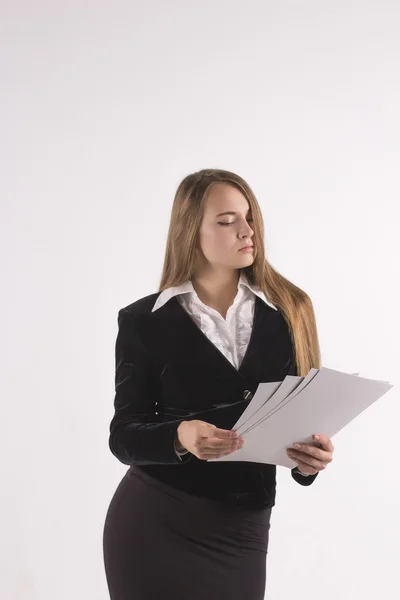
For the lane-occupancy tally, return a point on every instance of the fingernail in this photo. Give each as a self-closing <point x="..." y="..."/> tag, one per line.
<point x="297" y="446"/>
<point x="316" y="437"/>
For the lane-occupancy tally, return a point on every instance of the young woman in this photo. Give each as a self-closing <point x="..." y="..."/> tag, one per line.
<point x="188" y="360"/>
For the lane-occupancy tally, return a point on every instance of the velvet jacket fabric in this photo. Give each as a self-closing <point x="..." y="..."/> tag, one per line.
<point x="168" y="371"/>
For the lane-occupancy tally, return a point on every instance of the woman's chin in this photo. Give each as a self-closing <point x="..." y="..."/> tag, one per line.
<point x="246" y="260"/>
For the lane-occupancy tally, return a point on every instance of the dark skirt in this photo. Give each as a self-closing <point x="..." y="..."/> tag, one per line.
<point x="159" y="542"/>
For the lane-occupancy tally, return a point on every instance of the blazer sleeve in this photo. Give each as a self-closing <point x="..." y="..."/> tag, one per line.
<point x="137" y="434"/>
<point x="303" y="480"/>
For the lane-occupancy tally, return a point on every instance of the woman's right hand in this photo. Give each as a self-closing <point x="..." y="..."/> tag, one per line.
<point x="207" y="441"/>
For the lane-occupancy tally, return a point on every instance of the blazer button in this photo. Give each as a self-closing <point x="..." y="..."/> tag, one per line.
<point x="247" y="395"/>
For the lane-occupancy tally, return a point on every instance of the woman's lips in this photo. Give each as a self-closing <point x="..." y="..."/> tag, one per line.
<point x="246" y="249"/>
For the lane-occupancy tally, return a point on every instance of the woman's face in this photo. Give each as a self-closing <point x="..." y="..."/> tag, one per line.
<point x="223" y="235"/>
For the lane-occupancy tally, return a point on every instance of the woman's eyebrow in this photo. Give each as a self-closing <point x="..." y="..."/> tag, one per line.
<point x="229" y="212"/>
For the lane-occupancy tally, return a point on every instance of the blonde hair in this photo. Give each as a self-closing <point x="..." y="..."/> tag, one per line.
<point x="180" y="259"/>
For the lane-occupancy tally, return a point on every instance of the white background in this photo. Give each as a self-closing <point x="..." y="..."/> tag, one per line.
<point x="106" y="106"/>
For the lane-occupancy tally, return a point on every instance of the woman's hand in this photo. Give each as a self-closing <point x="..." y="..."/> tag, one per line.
<point x="312" y="459"/>
<point x="207" y="441"/>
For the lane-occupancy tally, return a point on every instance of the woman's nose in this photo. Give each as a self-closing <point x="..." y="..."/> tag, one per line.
<point x="247" y="231"/>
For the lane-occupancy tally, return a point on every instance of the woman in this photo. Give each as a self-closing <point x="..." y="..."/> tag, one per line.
<point x="188" y="360"/>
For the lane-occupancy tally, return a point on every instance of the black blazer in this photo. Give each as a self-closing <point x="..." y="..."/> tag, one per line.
<point x="167" y="371"/>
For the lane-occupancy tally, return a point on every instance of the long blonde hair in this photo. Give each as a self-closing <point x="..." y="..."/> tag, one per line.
<point x="180" y="259"/>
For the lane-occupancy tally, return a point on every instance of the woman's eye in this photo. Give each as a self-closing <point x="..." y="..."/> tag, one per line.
<point x="231" y="222"/>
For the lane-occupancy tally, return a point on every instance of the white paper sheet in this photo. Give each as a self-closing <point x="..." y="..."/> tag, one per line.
<point x="288" y="388"/>
<point x="324" y="401"/>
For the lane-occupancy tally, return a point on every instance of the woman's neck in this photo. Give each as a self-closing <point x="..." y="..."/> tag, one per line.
<point x="217" y="290"/>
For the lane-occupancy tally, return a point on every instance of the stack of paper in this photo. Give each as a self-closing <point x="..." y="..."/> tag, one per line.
<point x="282" y="413"/>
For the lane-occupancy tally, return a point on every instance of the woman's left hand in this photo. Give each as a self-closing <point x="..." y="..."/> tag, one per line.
<point x="312" y="459"/>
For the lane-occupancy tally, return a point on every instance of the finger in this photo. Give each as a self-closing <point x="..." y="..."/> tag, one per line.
<point x="213" y="447"/>
<point x="225" y="433"/>
<point x="306" y="459"/>
<point x="217" y="444"/>
<point x="317" y="453"/>
<point x="207" y="454"/>
<point x="324" y="441"/>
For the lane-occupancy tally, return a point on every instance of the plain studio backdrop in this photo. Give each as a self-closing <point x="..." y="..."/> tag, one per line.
<point x="106" y="106"/>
